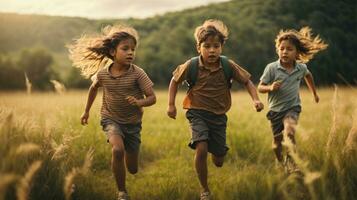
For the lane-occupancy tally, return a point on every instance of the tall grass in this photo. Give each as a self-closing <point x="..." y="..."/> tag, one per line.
<point x="46" y="154"/>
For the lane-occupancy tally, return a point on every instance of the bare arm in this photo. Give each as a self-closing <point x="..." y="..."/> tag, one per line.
<point x="264" y="88"/>
<point x="92" y="93"/>
<point x="150" y="98"/>
<point x="171" y="110"/>
<point x="253" y="94"/>
<point x="309" y="80"/>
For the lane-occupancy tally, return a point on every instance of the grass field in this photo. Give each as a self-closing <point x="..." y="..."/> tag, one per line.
<point x="46" y="154"/>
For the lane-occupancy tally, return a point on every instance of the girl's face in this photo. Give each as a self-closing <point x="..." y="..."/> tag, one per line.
<point x="124" y="54"/>
<point x="287" y="52"/>
<point x="210" y="50"/>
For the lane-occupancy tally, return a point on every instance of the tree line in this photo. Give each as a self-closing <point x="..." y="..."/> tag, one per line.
<point x="167" y="40"/>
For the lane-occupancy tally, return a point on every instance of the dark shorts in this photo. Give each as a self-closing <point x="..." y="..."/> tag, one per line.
<point x="129" y="132"/>
<point x="210" y="127"/>
<point x="277" y="118"/>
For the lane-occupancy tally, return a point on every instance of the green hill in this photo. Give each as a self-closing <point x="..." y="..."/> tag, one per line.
<point x="167" y="40"/>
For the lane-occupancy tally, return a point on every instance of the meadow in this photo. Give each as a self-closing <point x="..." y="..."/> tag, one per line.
<point x="45" y="153"/>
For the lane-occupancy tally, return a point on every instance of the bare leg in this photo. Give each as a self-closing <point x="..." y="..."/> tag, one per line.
<point x="131" y="161"/>
<point x="118" y="166"/>
<point x="218" y="160"/>
<point x="201" y="163"/>
<point x="289" y="131"/>
<point x="278" y="147"/>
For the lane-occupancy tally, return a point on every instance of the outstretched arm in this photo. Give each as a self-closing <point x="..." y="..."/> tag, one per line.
<point x="93" y="90"/>
<point x="259" y="106"/>
<point x="171" y="110"/>
<point x="309" y="80"/>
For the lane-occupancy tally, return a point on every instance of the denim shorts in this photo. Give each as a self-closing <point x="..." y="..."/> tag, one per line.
<point x="129" y="132"/>
<point x="210" y="127"/>
<point x="277" y="118"/>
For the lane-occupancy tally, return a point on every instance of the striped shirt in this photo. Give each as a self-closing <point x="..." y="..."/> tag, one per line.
<point x="210" y="92"/>
<point x="133" y="82"/>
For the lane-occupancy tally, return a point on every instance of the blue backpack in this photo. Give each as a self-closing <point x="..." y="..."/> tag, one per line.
<point x="191" y="76"/>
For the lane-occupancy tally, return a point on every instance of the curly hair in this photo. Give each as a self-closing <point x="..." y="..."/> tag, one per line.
<point x="91" y="53"/>
<point x="211" y="27"/>
<point x="306" y="45"/>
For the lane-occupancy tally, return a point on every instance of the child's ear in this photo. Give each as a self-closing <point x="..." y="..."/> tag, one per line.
<point x="112" y="52"/>
<point x="198" y="48"/>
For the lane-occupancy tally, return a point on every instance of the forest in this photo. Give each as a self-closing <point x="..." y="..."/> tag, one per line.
<point x="35" y="45"/>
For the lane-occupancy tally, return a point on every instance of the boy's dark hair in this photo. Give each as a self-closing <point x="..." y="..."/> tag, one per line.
<point x="209" y="28"/>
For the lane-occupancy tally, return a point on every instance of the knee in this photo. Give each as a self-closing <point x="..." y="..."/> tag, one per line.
<point x="117" y="152"/>
<point x="201" y="151"/>
<point x="218" y="163"/>
<point x="133" y="170"/>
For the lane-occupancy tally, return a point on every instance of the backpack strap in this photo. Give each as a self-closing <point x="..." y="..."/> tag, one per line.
<point x="192" y="73"/>
<point x="227" y="69"/>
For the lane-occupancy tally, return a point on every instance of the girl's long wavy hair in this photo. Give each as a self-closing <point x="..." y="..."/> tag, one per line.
<point x="90" y="53"/>
<point x="211" y="27"/>
<point x="306" y="45"/>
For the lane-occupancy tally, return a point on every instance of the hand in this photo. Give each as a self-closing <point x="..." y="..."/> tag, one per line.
<point x="84" y="118"/>
<point x="133" y="101"/>
<point x="259" y="106"/>
<point x="276" y="85"/>
<point x="171" y="111"/>
<point x="316" y="98"/>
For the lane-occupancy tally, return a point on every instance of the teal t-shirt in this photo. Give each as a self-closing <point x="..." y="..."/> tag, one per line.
<point x="288" y="94"/>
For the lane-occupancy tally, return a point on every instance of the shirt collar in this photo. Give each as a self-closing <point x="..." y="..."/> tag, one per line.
<point x="201" y="64"/>
<point x="131" y="68"/>
<point x="296" y="67"/>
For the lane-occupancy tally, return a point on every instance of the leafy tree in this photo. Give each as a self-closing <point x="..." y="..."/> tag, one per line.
<point x="37" y="65"/>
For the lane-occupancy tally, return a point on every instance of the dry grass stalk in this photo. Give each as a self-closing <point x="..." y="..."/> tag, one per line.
<point x="69" y="179"/>
<point x="332" y="136"/>
<point x="59" y="149"/>
<point x="28" y="84"/>
<point x="5" y="181"/>
<point x="27" y="148"/>
<point x="59" y="87"/>
<point x="68" y="182"/>
<point x="351" y="141"/>
<point x="23" y="189"/>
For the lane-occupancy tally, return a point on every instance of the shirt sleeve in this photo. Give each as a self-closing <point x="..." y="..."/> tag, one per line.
<point x="267" y="77"/>
<point x="239" y="73"/>
<point x="144" y="81"/>
<point x="95" y="80"/>
<point x="305" y="69"/>
<point x="180" y="72"/>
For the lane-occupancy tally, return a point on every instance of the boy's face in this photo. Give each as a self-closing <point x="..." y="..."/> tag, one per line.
<point x="124" y="53"/>
<point x="287" y="52"/>
<point x="210" y="49"/>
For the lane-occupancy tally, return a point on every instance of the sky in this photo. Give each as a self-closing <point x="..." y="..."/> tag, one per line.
<point x="99" y="9"/>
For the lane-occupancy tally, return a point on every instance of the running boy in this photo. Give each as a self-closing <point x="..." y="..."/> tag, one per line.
<point x="281" y="80"/>
<point x="209" y="97"/>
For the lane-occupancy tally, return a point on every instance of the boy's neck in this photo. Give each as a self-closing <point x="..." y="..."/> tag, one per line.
<point x="288" y="66"/>
<point x="211" y="65"/>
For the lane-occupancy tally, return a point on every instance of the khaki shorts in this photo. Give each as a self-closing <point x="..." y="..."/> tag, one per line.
<point x="210" y="127"/>
<point x="129" y="132"/>
<point x="277" y="118"/>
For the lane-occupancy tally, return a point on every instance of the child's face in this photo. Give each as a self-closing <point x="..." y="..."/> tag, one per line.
<point x="210" y="49"/>
<point x="124" y="54"/>
<point x="287" y="52"/>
